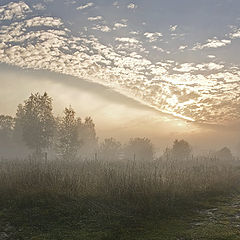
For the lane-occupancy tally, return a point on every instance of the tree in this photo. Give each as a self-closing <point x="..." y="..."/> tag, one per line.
<point x="6" y="130"/>
<point x="181" y="149"/>
<point x="139" y="149"/>
<point x="224" y="154"/>
<point x="167" y="154"/>
<point x="6" y="126"/>
<point x="88" y="138"/>
<point x="110" y="149"/>
<point x="18" y="126"/>
<point x="68" y="142"/>
<point x="37" y="121"/>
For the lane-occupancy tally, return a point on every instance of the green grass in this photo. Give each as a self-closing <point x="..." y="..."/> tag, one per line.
<point x="46" y="217"/>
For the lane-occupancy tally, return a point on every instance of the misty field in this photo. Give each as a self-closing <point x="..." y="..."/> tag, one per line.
<point x="58" y="181"/>
<point x="119" y="120"/>
<point x="110" y="200"/>
<point x="163" y="182"/>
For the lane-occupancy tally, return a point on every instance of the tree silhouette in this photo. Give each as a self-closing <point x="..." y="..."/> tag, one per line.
<point x="6" y="130"/>
<point x="18" y="126"/>
<point x="88" y="138"/>
<point x="37" y="121"/>
<point x="6" y="126"/>
<point x="110" y="149"/>
<point x="139" y="149"/>
<point x="181" y="149"/>
<point x="68" y="142"/>
<point x="224" y="154"/>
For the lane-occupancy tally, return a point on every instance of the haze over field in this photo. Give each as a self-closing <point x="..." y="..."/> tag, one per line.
<point x="161" y="69"/>
<point x="119" y="119"/>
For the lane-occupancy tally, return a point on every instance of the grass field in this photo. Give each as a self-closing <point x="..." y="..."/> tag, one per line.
<point x="191" y="199"/>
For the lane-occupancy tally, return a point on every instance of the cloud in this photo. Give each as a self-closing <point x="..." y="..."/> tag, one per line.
<point x="211" y="56"/>
<point x="132" y="6"/>
<point x="14" y="11"/>
<point x="70" y="2"/>
<point x="212" y="43"/>
<point x="124" y="20"/>
<point x="97" y="18"/>
<point x="90" y="4"/>
<point x="209" y="66"/>
<point x="158" y="49"/>
<point x="129" y="44"/>
<point x="134" y="32"/>
<point x="190" y="67"/>
<point x="227" y="77"/>
<point x="188" y="90"/>
<point x="43" y="21"/>
<point x="119" y="25"/>
<point x="127" y="40"/>
<point x="182" y="47"/>
<point x="235" y="34"/>
<point x="39" y="6"/>
<point x="153" y="36"/>
<point x="185" y="67"/>
<point x="102" y="28"/>
<point x="116" y="4"/>
<point x="173" y="28"/>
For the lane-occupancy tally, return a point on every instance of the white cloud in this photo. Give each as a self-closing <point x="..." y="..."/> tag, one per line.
<point x="134" y="32"/>
<point x="97" y="18"/>
<point x="127" y="40"/>
<point x="129" y="44"/>
<point x="209" y="66"/>
<point x="158" y="49"/>
<point x="102" y="28"/>
<point x="236" y="34"/>
<point x="39" y="6"/>
<point x="173" y="28"/>
<point x="124" y="20"/>
<point x="90" y="4"/>
<point x="14" y="10"/>
<point x="227" y="76"/>
<point x="182" y="47"/>
<point x="132" y="6"/>
<point x="153" y="36"/>
<point x="43" y="21"/>
<point x="211" y="56"/>
<point x="69" y="2"/>
<point x="185" y="67"/>
<point x="189" y="67"/>
<point x="212" y="43"/>
<point x="119" y="25"/>
<point x="116" y="4"/>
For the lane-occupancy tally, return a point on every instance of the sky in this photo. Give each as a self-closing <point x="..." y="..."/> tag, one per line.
<point x="135" y="66"/>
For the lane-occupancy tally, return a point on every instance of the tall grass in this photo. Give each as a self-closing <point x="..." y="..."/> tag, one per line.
<point x="163" y="182"/>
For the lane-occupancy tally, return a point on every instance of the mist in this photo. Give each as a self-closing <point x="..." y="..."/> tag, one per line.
<point x="119" y="120"/>
<point x="114" y="114"/>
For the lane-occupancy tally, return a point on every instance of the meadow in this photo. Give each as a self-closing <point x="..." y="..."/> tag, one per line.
<point x="93" y="199"/>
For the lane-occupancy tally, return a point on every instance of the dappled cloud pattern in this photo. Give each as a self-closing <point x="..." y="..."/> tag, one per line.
<point x="203" y="92"/>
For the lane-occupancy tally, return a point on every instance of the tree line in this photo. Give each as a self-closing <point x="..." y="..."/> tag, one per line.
<point x="68" y="137"/>
<point x="35" y="128"/>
